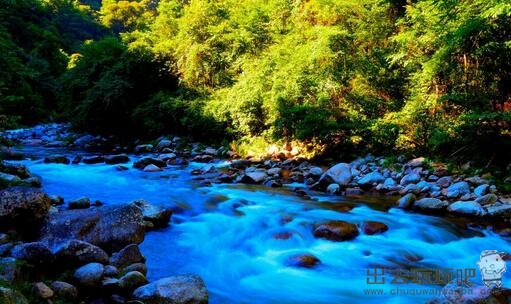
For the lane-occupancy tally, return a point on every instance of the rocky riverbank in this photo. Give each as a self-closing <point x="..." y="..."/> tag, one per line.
<point x="416" y="185"/>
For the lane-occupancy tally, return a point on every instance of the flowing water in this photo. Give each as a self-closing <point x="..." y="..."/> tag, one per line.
<point x="226" y="234"/>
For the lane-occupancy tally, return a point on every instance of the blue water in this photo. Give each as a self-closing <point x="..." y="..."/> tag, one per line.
<point x="234" y="249"/>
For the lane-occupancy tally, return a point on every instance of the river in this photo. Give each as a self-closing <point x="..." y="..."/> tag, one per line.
<point x="226" y="234"/>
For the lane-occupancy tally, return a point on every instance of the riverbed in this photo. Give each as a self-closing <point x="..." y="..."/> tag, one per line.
<point x="231" y="235"/>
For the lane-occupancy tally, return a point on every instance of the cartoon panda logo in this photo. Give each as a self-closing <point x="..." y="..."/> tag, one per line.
<point x="492" y="267"/>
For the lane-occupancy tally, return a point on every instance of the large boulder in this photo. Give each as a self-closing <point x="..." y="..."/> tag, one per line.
<point x="339" y="174"/>
<point x="336" y="231"/>
<point x="23" y="208"/>
<point x="75" y="252"/>
<point x="109" y="227"/>
<point x="181" y="289"/>
<point x="466" y="208"/>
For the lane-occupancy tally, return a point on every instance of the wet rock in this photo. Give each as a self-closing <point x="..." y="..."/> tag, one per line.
<point x="210" y="151"/>
<point x="159" y="216"/>
<point x="411" y="188"/>
<point x="203" y="158"/>
<point x="77" y="252"/>
<point x="117" y="159"/>
<point x="333" y="188"/>
<point x="64" y="290"/>
<point x="353" y="191"/>
<point x="35" y="253"/>
<point x="110" y="284"/>
<point x="481" y="189"/>
<point x="389" y="182"/>
<point x="407" y="201"/>
<point x="22" y="208"/>
<point x="143" y="148"/>
<point x="33" y="181"/>
<point x="167" y="157"/>
<point x="253" y="177"/>
<point x="457" y="189"/>
<point x="476" y="180"/>
<point x="57" y="159"/>
<point x="336" y="231"/>
<point x="9" y="296"/>
<point x="144" y="162"/>
<point x="9" y="178"/>
<point x="371" y="178"/>
<point x="89" y="275"/>
<point x="273" y="183"/>
<point x="42" y="290"/>
<point x="315" y="171"/>
<point x="498" y="210"/>
<point x="132" y="280"/>
<point x="76" y="160"/>
<point x="487" y="199"/>
<point x="466" y="208"/>
<point x="80" y="203"/>
<point x="152" y="168"/>
<point x="140" y="267"/>
<point x="93" y="160"/>
<point x="430" y="204"/>
<point x="339" y="174"/>
<point x="128" y="255"/>
<point x="303" y="260"/>
<point x="121" y="168"/>
<point x="85" y="141"/>
<point x="109" y="227"/>
<point x="274" y="171"/>
<point x="173" y="290"/>
<point x="164" y="143"/>
<point x="411" y="178"/>
<point x="18" y="170"/>
<point x="372" y="227"/>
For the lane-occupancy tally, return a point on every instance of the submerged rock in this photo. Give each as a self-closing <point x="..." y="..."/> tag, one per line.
<point x="109" y="227"/>
<point x="336" y="231"/>
<point x="306" y="260"/>
<point x="181" y="289"/>
<point x="372" y="227"/>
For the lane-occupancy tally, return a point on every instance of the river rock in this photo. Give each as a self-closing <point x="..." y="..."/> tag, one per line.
<point x="117" y="159"/>
<point x="159" y="216"/>
<point x="481" y="189"/>
<point x="339" y="174"/>
<point x="203" y="158"/>
<point x="274" y="171"/>
<point x="411" y="178"/>
<point x="167" y="157"/>
<point x="416" y="162"/>
<point x="499" y="210"/>
<point x="487" y="199"/>
<point x="255" y="177"/>
<point x="80" y="203"/>
<point x="411" y="188"/>
<point x="89" y="275"/>
<point x="57" y="159"/>
<point x="42" y="290"/>
<point x="35" y="253"/>
<point x="315" y="171"/>
<point x="9" y="296"/>
<point x="430" y="204"/>
<point x="444" y="181"/>
<point x="164" y="143"/>
<point x="140" y="267"/>
<point x="306" y="260"/>
<point x="144" y="162"/>
<point x="10" y="270"/>
<point x="20" y="171"/>
<point x="457" y="189"/>
<point x="111" y="271"/>
<point x="75" y="252"/>
<point x="371" y="178"/>
<point x="9" y="178"/>
<point x="372" y="227"/>
<point x="23" y="208"/>
<point x="152" y="168"/>
<point x="64" y="290"/>
<point x="128" y="255"/>
<point x="466" y="208"/>
<point x="407" y="201"/>
<point x="132" y="280"/>
<point x="109" y="227"/>
<point x="93" y="160"/>
<point x="333" y="188"/>
<point x="336" y="231"/>
<point x="182" y="289"/>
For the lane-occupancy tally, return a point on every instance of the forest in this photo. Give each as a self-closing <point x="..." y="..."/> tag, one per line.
<point x="341" y="77"/>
